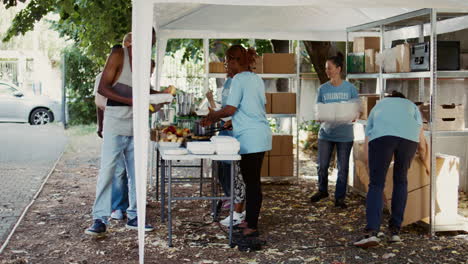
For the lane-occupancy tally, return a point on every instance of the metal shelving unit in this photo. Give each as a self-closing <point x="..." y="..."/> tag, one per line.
<point x="294" y="84"/>
<point x="263" y="75"/>
<point x="428" y="17"/>
<point x="409" y="75"/>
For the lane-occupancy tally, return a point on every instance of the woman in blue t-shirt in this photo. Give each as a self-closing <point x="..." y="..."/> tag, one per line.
<point x="246" y="104"/>
<point x="341" y="136"/>
<point x="224" y="167"/>
<point x="394" y="129"/>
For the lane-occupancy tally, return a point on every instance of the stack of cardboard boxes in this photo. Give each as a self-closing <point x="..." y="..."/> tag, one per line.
<point x="418" y="202"/>
<point x="279" y="161"/>
<point x="362" y="59"/>
<point x="447" y="117"/>
<point x="280" y="103"/>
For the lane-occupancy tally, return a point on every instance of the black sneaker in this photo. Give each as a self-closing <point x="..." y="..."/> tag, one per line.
<point x="97" y="229"/>
<point x="318" y="196"/>
<point x="340" y="203"/>
<point x="133" y="225"/>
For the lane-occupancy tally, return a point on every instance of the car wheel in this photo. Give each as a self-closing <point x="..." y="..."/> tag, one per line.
<point x="41" y="116"/>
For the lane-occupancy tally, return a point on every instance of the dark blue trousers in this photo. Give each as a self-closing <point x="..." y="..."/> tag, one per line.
<point x="381" y="152"/>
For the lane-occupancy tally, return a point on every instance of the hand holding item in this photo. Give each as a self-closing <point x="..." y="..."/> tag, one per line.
<point x="211" y="115"/>
<point x="228" y="125"/>
<point x="205" y="122"/>
<point x="170" y="90"/>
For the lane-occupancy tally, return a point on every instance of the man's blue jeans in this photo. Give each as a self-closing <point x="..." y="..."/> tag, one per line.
<point x="325" y="150"/>
<point x="113" y="147"/>
<point x="120" y="187"/>
<point x="381" y="152"/>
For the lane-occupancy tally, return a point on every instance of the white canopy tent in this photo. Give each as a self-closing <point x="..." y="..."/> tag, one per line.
<point x="314" y="20"/>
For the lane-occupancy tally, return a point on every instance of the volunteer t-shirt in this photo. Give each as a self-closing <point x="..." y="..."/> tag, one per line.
<point x="328" y="93"/>
<point x="224" y="96"/>
<point x="394" y="116"/>
<point x="250" y="125"/>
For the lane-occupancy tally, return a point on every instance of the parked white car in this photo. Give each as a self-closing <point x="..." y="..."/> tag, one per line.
<point x="19" y="106"/>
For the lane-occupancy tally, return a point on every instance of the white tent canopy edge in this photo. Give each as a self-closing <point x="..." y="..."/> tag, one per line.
<point x="142" y="20"/>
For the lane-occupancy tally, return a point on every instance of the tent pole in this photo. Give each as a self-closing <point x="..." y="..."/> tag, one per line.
<point x="142" y="18"/>
<point x="433" y="104"/>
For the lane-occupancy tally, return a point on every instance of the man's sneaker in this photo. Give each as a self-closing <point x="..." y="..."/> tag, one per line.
<point x="395" y="238"/>
<point x="318" y="196"/>
<point x="369" y="240"/>
<point x="237" y="219"/>
<point x="117" y="214"/>
<point x="340" y="203"/>
<point x="394" y="235"/>
<point x="133" y="225"/>
<point x="97" y="229"/>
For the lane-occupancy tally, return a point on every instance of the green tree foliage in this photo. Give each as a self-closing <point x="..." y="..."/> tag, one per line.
<point x="80" y="72"/>
<point x="94" y="25"/>
<point x="10" y="3"/>
<point x="194" y="47"/>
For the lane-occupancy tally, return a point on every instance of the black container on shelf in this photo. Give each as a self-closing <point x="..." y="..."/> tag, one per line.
<point x="448" y="56"/>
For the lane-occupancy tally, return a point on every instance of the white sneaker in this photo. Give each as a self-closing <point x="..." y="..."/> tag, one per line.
<point x="237" y="219"/>
<point x="117" y="214"/>
<point x="367" y="242"/>
<point x="395" y="238"/>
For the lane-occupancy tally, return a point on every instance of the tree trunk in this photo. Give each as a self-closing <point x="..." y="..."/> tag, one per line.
<point x="281" y="46"/>
<point x="318" y="53"/>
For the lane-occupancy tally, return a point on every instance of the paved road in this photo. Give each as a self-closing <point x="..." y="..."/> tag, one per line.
<point x="27" y="154"/>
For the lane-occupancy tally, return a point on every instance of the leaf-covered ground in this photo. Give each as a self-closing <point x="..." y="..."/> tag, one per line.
<point x="295" y="231"/>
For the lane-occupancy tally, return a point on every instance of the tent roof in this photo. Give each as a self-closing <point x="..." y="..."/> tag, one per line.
<point x="297" y="19"/>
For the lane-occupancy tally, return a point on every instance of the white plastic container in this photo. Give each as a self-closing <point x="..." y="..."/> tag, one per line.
<point x="341" y="112"/>
<point x="227" y="148"/>
<point x="201" y="148"/>
<point x="169" y="144"/>
<point x="218" y="139"/>
<point x="175" y="151"/>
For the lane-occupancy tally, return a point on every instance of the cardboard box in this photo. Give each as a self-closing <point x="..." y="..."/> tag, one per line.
<point x="257" y="67"/>
<point x="447" y="179"/>
<point x="450" y="124"/>
<point x="279" y="63"/>
<point x="369" y="61"/>
<point x="360" y="44"/>
<point x="361" y="177"/>
<point x="268" y="103"/>
<point x="265" y="166"/>
<point x="368" y="102"/>
<point x="443" y="111"/>
<point x="282" y="145"/>
<point x="217" y="67"/>
<point x="356" y="63"/>
<point x="464" y="61"/>
<point x="417" y="178"/>
<point x="283" y="103"/>
<point x="402" y="54"/>
<point x="417" y="205"/>
<point x="281" y="166"/>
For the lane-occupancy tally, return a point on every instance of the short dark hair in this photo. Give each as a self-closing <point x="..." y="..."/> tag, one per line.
<point x="397" y="94"/>
<point x="116" y="46"/>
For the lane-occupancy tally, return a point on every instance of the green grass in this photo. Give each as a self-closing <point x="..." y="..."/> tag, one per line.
<point x="81" y="130"/>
